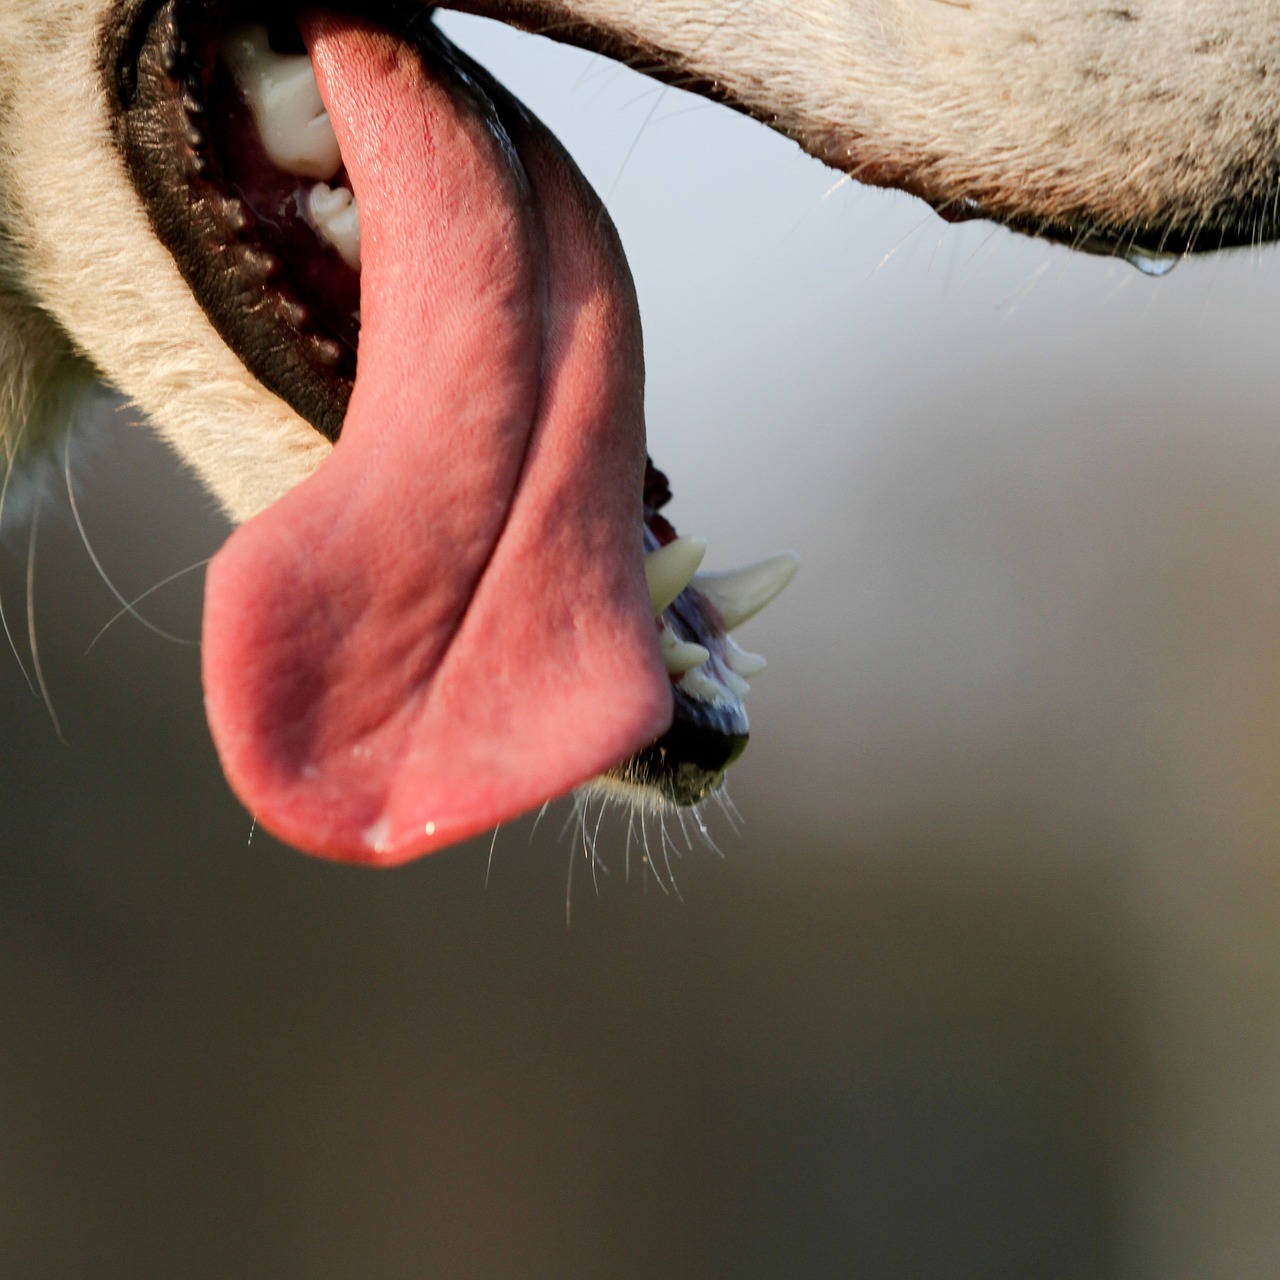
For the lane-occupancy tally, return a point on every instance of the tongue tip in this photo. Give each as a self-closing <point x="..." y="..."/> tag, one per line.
<point x="412" y="807"/>
<point x="479" y="752"/>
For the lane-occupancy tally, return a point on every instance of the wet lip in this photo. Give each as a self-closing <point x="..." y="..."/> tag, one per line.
<point x="332" y="762"/>
<point x="1152" y="249"/>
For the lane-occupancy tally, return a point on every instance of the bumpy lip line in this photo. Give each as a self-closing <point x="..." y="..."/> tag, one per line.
<point x="711" y="726"/>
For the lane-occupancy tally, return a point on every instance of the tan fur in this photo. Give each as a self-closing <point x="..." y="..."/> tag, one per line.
<point x="1148" y="111"/>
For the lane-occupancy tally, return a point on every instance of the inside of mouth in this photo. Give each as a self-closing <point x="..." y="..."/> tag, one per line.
<point x="287" y="205"/>
<point x="266" y="135"/>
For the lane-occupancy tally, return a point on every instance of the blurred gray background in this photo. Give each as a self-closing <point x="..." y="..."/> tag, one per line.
<point x="989" y="984"/>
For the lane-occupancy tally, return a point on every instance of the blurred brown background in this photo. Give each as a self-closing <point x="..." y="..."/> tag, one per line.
<point x="988" y="987"/>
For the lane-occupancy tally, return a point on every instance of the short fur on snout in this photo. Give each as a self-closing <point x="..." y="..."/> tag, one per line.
<point x="1155" y="114"/>
<point x="1151" y="125"/>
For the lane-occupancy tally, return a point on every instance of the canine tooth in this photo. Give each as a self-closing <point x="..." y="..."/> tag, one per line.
<point x="282" y="93"/>
<point x="739" y="594"/>
<point x="337" y="218"/>
<point x="735" y="684"/>
<point x="740" y="661"/>
<point x="681" y="658"/>
<point x="669" y="569"/>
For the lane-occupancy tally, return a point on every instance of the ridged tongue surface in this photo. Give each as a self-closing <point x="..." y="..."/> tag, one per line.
<point x="448" y="623"/>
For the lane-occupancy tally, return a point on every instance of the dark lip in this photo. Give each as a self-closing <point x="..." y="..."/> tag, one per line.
<point x="1147" y="242"/>
<point x="1134" y="243"/>
<point x="159" y="57"/>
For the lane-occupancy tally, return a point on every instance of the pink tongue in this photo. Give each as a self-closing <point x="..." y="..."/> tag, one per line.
<point x="447" y="624"/>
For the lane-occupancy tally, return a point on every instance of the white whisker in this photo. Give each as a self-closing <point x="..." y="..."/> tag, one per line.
<point x="667" y="849"/>
<point x="684" y="830"/>
<point x="631" y="831"/>
<point x="164" y="582"/>
<point x="31" y="623"/>
<point x="541" y="812"/>
<point x="596" y="864"/>
<point x="493" y="844"/>
<point x="97" y="564"/>
<point x="4" y="621"/>
<point x="706" y="835"/>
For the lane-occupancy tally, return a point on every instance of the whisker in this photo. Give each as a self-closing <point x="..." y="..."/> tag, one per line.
<point x="649" y="862"/>
<point x="589" y="852"/>
<point x="574" y="815"/>
<point x="541" y="813"/>
<point x="493" y="844"/>
<point x="596" y="864"/>
<point x="97" y="564"/>
<point x="706" y="835"/>
<point x="729" y="809"/>
<point x="667" y="849"/>
<point x="631" y="830"/>
<point x="568" y="886"/>
<point x="684" y="830"/>
<point x="4" y="621"/>
<point x="31" y="623"/>
<point x="164" y="582"/>
<point x="635" y="142"/>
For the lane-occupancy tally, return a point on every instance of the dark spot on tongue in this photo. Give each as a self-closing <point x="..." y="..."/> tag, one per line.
<point x="448" y="623"/>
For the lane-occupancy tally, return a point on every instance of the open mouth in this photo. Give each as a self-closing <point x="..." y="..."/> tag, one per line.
<point x="475" y="603"/>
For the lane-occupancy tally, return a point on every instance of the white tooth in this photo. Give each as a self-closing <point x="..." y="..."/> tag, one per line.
<point x="336" y="216"/>
<point x="740" y="661"/>
<point x="684" y="657"/>
<point x="282" y="93"/>
<point x="669" y="569"/>
<point x="735" y="684"/>
<point x="697" y="684"/>
<point x="739" y="594"/>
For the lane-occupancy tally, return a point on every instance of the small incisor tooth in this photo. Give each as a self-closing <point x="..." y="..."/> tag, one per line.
<point x="739" y="594"/>
<point x="697" y="684"/>
<point x="741" y="661"/>
<point x="336" y="217"/>
<point x="669" y="569"/>
<point x="684" y="656"/>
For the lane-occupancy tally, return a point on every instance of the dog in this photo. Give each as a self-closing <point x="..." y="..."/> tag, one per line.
<point x="453" y="594"/>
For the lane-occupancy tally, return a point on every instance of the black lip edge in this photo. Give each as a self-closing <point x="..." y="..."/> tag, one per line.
<point x="155" y="60"/>
<point x="688" y="762"/>
<point x="155" y="67"/>
<point x="1243" y="225"/>
<point x="1146" y="241"/>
